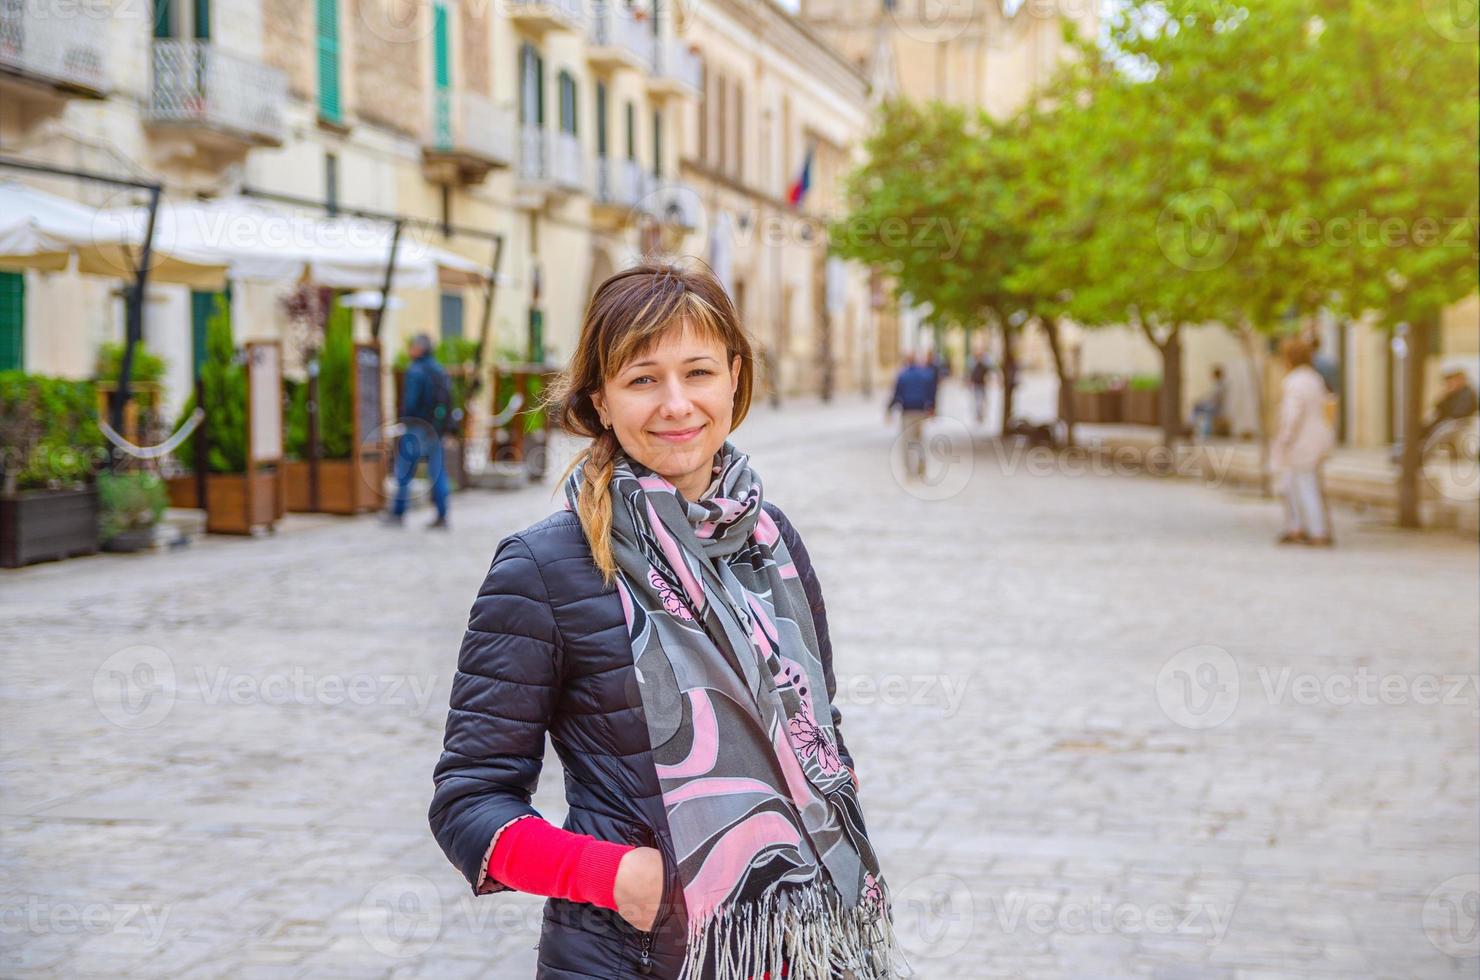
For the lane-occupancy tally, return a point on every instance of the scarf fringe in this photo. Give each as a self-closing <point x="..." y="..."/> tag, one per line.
<point x="810" y="929"/>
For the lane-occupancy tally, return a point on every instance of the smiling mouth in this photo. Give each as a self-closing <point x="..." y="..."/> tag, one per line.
<point x="679" y="435"/>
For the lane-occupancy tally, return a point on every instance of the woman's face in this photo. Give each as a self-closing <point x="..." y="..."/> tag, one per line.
<point x="671" y="407"/>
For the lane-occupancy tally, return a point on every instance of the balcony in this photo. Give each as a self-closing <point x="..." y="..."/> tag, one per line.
<point x="617" y="39"/>
<point x="541" y="16"/>
<point x="219" y="97"/>
<point x="568" y="165"/>
<point x="54" y="49"/>
<point x="676" y="70"/>
<point x="467" y="136"/>
<point x="620" y="192"/>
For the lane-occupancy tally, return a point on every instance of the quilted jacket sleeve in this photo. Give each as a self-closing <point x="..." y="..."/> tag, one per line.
<point x="808" y="575"/>
<point x="503" y="695"/>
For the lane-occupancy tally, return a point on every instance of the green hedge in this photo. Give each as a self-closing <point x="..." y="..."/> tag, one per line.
<point x="148" y="367"/>
<point x="49" y="435"/>
<point x="223" y="379"/>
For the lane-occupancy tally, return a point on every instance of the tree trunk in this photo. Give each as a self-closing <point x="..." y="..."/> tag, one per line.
<point x="1066" y="381"/>
<point x="1171" y="387"/>
<point x="1009" y="375"/>
<point x="1413" y="402"/>
<point x="1261" y="425"/>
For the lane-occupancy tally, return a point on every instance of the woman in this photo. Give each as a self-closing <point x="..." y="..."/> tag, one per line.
<point x="667" y="631"/>
<point x="1301" y="444"/>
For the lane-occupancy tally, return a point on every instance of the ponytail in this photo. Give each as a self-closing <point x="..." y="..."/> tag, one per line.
<point x="594" y="502"/>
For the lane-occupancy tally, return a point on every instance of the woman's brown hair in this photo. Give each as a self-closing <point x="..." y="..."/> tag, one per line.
<point x="626" y="317"/>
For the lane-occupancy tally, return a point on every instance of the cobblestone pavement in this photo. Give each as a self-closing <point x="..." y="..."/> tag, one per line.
<point x="1104" y="728"/>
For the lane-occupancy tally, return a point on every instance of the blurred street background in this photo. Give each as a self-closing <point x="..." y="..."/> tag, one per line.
<point x="1116" y="360"/>
<point x="1131" y="740"/>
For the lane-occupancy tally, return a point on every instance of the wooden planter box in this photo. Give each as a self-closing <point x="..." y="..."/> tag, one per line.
<point x="44" y="525"/>
<point x="1143" y="407"/>
<point x="1097" y="406"/>
<point x="182" y="490"/>
<point x="227" y="498"/>
<point x="342" y="488"/>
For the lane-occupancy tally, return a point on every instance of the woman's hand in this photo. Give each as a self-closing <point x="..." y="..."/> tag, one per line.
<point x="639" y="887"/>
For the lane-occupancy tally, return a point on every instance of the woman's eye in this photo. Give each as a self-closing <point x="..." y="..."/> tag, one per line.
<point x="649" y="377"/>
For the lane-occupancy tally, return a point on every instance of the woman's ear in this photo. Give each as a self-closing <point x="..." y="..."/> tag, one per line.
<point x="734" y="375"/>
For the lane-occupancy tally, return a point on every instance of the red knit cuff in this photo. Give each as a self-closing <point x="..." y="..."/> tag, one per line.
<point x="596" y="874"/>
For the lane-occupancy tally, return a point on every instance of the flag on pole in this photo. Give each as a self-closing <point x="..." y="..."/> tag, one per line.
<point x="800" y="186"/>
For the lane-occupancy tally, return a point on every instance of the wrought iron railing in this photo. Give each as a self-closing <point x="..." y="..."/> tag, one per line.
<point x="55" y="41"/>
<point x="197" y="82"/>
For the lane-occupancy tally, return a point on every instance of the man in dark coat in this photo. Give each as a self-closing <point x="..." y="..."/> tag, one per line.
<point x="426" y="410"/>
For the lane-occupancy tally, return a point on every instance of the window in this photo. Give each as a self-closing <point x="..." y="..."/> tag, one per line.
<point x="531" y="86"/>
<point x="706" y="95"/>
<point x="182" y="18"/>
<point x="452" y="315"/>
<point x="12" y="321"/>
<point x="328" y="51"/>
<point x="331" y="183"/>
<point x="631" y="131"/>
<point x="722" y="100"/>
<point x="601" y="135"/>
<point x="567" y="103"/>
<point x="658" y="143"/>
<point x="737" y="155"/>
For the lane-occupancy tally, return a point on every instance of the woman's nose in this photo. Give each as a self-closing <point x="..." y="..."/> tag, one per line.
<point x="676" y="402"/>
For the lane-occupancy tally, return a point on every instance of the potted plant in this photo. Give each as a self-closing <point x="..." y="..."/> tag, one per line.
<point x="342" y="487"/>
<point x="131" y="504"/>
<point x="50" y="447"/>
<point x="1143" y="400"/>
<point x="239" y="497"/>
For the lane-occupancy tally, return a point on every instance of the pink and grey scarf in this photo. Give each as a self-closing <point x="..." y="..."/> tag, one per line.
<point x="766" y="825"/>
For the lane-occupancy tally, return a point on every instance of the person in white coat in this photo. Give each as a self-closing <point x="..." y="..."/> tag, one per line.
<point x="1301" y="445"/>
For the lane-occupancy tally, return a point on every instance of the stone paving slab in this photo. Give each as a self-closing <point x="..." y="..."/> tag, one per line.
<point x="1104" y="728"/>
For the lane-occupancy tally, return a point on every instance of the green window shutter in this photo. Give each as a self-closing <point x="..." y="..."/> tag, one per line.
<point x="202" y="304"/>
<point x="164" y="20"/>
<point x="441" y="62"/>
<point x="203" y="19"/>
<point x="328" y="51"/>
<point x="12" y="321"/>
<point x="631" y="131"/>
<point x="601" y="138"/>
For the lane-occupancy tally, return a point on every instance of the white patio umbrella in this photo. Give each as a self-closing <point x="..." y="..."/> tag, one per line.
<point x="44" y="231"/>
<point x="257" y="241"/>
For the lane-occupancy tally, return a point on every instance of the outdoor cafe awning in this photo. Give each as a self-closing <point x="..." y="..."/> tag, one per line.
<point x="257" y="241"/>
<point x="45" y="231"/>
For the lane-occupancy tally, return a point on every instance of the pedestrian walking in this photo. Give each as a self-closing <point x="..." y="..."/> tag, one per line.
<point x="981" y="371"/>
<point x="668" y="632"/>
<point x="426" y="413"/>
<point x="1301" y="445"/>
<point x="914" y="395"/>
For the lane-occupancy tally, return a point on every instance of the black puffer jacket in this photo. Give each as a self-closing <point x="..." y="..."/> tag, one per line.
<point x="546" y="650"/>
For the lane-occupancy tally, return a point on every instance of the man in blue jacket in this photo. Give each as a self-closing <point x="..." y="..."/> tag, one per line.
<point x="914" y="393"/>
<point x="426" y="412"/>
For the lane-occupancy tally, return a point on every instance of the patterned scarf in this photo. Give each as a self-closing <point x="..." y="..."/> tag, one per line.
<point x="766" y="824"/>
